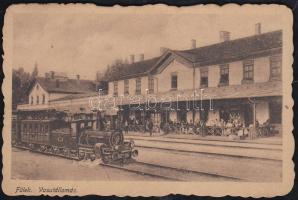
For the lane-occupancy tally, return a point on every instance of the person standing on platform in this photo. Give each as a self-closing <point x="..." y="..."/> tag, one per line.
<point x="150" y="126"/>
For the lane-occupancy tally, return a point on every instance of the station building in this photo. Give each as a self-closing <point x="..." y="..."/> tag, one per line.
<point x="233" y="77"/>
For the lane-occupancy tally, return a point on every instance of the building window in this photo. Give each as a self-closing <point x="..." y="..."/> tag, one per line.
<point x="275" y="66"/>
<point x="151" y="84"/>
<point x="37" y="99"/>
<point x="204" y="77"/>
<point x="126" y="87"/>
<point x="115" y="88"/>
<point x="138" y="86"/>
<point x="43" y="99"/>
<point x="37" y="86"/>
<point x="224" y="75"/>
<point x="32" y="100"/>
<point x="248" y="70"/>
<point x="174" y="81"/>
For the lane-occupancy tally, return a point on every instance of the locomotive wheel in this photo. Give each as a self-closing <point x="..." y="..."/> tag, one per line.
<point x="102" y="150"/>
<point x="116" y="138"/>
<point x="81" y="155"/>
<point x="115" y="156"/>
<point x="105" y="159"/>
<point x="97" y="150"/>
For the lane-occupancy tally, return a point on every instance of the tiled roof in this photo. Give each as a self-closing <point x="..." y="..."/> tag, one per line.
<point x="233" y="49"/>
<point x="257" y="45"/>
<point x="135" y="69"/>
<point x="76" y="96"/>
<point x="266" y="89"/>
<point x="72" y="86"/>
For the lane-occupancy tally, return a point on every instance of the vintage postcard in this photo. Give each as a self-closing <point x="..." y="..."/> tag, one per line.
<point x="148" y="101"/>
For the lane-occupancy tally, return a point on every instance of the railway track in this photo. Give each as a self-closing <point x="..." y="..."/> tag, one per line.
<point x="274" y="147"/>
<point x="169" y="173"/>
<point x="181" y="151"/>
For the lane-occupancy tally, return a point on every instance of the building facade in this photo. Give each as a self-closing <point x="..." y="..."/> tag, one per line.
<point x="239" y="77"/>
<point x="234" y="78"/>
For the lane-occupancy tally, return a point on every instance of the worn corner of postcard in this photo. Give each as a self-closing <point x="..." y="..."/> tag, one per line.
<point x="148" y="101"/>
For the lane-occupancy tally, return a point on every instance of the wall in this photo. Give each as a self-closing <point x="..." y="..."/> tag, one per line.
<point x="120" y="88"/>
<point x="262" y="69"/>
<point x="173" y="115"/>
<point x="189" y="116"/>
<point x="212" y="116"/>
<point x="262" y="112"/>
<point x="111" y="89"/>
<point x="57" y="95"/>
<point x="213" y="76"/>
<point x="185" y="77"/>
<point x="235" y="73"/>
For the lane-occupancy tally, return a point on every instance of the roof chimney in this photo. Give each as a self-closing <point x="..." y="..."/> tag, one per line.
<point x="224" y="36"/>
<point x="132" y="59"/>
<point x="193" y="44"/>
<point x="258" y="28"/>
<point x="163" y="50"/>
<point x="78" y="76"/>
<point x="52" y="74"/>
<point x="47" y="75"/>
<point x="142" y="57"/>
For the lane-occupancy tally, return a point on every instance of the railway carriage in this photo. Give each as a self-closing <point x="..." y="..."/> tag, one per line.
<point x="71" y="135"/>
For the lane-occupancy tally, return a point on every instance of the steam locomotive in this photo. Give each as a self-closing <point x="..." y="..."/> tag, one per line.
<point x="71" y="135"/>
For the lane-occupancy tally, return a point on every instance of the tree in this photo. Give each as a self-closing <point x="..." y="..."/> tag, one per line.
<point x="21" y="82"/>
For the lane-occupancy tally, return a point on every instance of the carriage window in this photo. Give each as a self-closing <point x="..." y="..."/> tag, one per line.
<point x="30" y="128"/>
<point x="25" y="128"/>
<point x="46" y="129"/>
<point x="36" y="128"/>
<point x="82" y="125"/>
<point x="73" y="129"/>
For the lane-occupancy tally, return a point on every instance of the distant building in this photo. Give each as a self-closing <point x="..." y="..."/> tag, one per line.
<point x="54" y="86"/>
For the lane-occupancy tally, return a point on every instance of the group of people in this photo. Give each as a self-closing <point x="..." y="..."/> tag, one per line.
<point x="146" y="125"/>
<point x="232" y="126"/>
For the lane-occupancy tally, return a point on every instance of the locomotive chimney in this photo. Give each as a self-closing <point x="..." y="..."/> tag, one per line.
<point x="52" y="74"/>
<point x="132" y="58"/>
<point x="193" y="44"/>
<point x="163" y="50"/>
<point x="142" y="57"/>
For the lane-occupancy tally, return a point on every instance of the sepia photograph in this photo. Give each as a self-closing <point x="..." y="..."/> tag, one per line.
<point x="150" y="96"/>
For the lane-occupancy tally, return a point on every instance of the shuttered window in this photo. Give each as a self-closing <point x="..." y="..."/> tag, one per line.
<point x="138" y="86"/>
<point x="204" y="77"/>
<point x="126" y="87"/>
<point x="115" y="88"/>
<point x="248" y="70"/>
<point x="174" y="81"/>
<point x="224" y="74"/>
<point x="275" y="66"/>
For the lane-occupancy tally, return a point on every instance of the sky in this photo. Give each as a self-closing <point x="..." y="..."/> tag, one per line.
<point x="83" y="43"/>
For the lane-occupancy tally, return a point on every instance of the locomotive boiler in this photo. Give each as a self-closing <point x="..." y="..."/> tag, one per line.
<point x="72" y="135"/>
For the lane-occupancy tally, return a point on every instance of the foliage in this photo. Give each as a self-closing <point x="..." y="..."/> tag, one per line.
<point x="114" y="69"/>
<point x="21" y="83"/>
